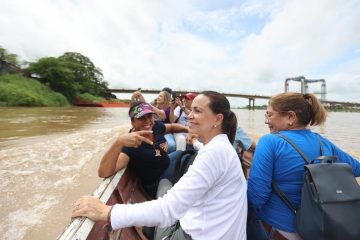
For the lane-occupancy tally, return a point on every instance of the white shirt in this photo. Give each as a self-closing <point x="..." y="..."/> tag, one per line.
<point x="183" y="117"/>
<point x="210" y="199"/>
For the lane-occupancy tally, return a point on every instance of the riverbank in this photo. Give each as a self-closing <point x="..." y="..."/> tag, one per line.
<point x="17" y="90"/>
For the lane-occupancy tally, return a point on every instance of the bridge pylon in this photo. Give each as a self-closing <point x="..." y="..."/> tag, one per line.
<point x="305" y="85"/>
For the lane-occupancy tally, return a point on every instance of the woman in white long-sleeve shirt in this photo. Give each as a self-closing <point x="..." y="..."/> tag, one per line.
<point x="209" y="200"/>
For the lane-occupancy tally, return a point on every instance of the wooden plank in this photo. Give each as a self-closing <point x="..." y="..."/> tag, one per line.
<point x="80" y="228"/>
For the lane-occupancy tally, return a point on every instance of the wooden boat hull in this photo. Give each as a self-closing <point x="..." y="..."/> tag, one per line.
<point x="123" y="187"/>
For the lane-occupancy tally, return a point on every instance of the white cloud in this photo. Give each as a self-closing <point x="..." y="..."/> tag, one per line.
<point x="151" y="44"/>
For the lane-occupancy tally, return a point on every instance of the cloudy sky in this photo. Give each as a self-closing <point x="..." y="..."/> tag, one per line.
<point x="242" y="46"/>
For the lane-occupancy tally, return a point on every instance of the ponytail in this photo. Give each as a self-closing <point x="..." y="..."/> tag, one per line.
<point x="317" y="111"/>
<point x="230" y="126"/>
<point x="307" y="107"/>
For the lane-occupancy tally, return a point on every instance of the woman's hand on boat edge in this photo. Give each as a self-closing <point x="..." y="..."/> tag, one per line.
<point x="91" y="207"/>
<point x="135" y="139"/>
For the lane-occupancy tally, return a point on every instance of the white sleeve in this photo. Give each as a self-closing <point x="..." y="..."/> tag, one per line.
<point x="172" y="206"/>
<point x="177" y="111"/>
<point x="198" y="145"/>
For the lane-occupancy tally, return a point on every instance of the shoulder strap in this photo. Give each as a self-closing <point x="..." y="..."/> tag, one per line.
<point x="274" y="185"/>
<point x="181" y="111"/>
<point x="321" y="146"/>
<point x="283" y="197"/>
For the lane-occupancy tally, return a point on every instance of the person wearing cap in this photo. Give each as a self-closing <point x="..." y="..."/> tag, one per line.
<point x="178" y="114"/>
<point x="147" y="156"/>
<point x="161" y="108"/>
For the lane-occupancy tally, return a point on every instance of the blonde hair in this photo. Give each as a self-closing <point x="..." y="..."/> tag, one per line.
<point x="307" y="107"/>
<point x="167" y="99"/>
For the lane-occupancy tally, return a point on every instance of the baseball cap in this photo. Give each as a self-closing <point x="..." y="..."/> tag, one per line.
<point x="190" y="96"/>
<point x="166" y="89"/>
<point x="140" y="110"/>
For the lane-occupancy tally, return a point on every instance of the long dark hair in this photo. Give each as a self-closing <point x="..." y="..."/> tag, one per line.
<point x="219" y="104"/>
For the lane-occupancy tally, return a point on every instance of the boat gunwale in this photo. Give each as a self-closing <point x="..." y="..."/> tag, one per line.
<point x="80" y="228"/>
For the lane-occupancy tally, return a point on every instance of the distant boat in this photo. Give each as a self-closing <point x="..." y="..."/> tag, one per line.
<point x="96" y="104"/>
<point x="118" y="103"/>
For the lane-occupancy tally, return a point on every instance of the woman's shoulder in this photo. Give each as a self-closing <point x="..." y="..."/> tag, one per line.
<point x="219" y="144"/>
<point x="159" y="127"/>
<point x="268" y="138"/>
<point x="276" y="139"/>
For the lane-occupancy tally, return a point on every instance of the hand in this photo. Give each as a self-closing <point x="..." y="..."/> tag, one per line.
<point x="248" y="157"/>
<point x="137" y="96"/>
<point x="91" y="207"/>
<point x="178" y="101"/>
<point x="134" y="139"/>
<point x="192" y="138"/>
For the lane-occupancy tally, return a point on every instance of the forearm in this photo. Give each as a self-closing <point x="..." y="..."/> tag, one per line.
<point x="176" y="128"/>
<point x="159" y="112"/>
<point x="165" y="210"/>
<point x="108" y="162"/>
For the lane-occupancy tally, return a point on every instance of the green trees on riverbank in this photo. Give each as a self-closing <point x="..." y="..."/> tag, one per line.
<point x="70" y="74"/>
<point x="66" y="77"/>
<point x="17" y="90"/>
<point x="9" y="57"/>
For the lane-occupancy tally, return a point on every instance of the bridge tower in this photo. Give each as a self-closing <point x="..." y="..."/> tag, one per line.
<point x="305" y="85"/>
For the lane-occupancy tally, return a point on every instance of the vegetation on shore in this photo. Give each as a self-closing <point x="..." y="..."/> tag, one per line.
<point x="17" y="90"/>
<point x="51" y="81"/>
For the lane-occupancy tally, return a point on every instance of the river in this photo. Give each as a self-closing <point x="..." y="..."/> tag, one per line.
<point x="49" y="158"/>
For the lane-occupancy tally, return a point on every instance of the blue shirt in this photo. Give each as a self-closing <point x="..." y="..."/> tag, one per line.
<point x="243" y="138"/>
<point x="277" y="160"/>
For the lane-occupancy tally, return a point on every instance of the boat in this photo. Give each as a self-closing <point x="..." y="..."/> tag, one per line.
<point x="96" y="104"/>
<point x="113" y="103"/>
<point x="123" y="187"/>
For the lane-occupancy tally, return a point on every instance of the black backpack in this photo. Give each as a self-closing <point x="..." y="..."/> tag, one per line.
<point x="330" y="199"/>
<point x="182" y="164"/>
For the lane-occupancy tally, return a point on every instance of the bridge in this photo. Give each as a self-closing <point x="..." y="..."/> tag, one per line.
<point x="238" y="95"/>
<point x="251" y="97"/>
